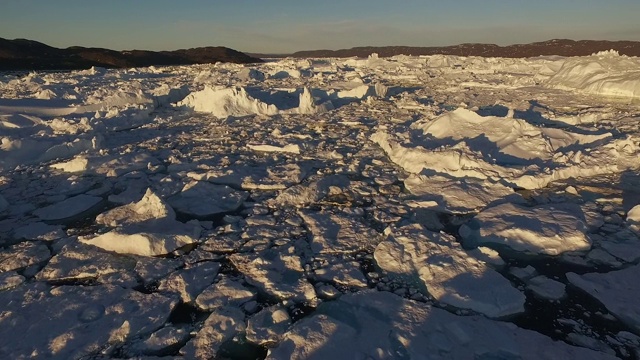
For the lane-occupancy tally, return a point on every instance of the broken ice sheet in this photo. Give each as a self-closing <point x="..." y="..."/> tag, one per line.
<point x="454" y="194"/>
<point x="190" y="282"/>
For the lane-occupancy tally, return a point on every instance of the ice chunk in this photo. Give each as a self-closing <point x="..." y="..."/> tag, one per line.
<point x="633" y="218"/>
<point x="291" y="148"/>
<point x="22" y="255"/>
<point x="222" y="325"/>
<point x="146" y="228"/>
<point x="302" y="195"/>
<point x="10" y="279"/>
<point x="268" y="326"/>
<point x="463" y="144"/>
<point x="277" y="272"/>
<point x="523" y="273"/>
<point x="308" y="104"/>
<point x="202" y="199"/>
<point x="39" y="231"/>
<point x="82" y="320"/>
<point x="544" y="229"/>
<point x="79" y="262"/>
<point x="190" y="282"/>
<point x="226" y="292"/>
<point x="455" y="194"/>
<point x="151" y="269"/>
<point x="600" y="74"/>
<point x="510" y="139"/>
<point x="335" y="232"/>
<point x="264" y="177"/>
<point x="546" y="288"/>
<point x="70" y="208"/>
<point x="250" y="74"/>
<point x="150" y="208"/>
<point x="162" y="341"/>
<point x="435" y="263"/>
<point x="342" y="273"/>
<point x="382" y="325"/>
<point x="617" y="290"/>
<point x="227" y="102"/>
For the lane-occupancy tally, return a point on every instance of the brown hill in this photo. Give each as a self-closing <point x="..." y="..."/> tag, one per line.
<point x="21" y="54"/>
<point x="560" y="47"/>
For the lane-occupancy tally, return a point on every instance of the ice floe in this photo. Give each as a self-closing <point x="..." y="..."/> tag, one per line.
<point x="382" y="325"/>
<point x="617" y="290"/>
<point x="82" y="321"/>
<point x="544" y="229"/>
<point x="146" y="228"/>
<point x="438" y="265"/>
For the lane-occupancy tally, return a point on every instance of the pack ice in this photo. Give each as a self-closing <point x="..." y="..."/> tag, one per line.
<point x="406" y="207"/>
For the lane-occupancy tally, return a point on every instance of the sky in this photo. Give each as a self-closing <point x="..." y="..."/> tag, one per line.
<point x="284" y="26"/>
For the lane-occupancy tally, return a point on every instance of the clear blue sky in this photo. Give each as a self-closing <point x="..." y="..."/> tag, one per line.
<point x="289" y="25"/>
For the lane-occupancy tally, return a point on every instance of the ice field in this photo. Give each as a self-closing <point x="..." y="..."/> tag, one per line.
<point x="432" y="207"/>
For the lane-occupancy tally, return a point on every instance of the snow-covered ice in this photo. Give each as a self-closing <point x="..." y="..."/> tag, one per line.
<point x="459" y="207"/>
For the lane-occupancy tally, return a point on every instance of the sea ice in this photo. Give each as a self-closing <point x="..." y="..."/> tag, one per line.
<point x="80" y="321"/>
<point x="222" y="325"/>
<point x="225" y="292"/>
<point x="227" y="102"/>
<point x="277" y="272"/>
<point x="67" y="209"/>
<point x="146" y="228"/>
<point x="438" y="265"/>
<point x="381" y="325"/>
<point x="544" y="229"/>
<point x="77" y="262"/>
<point x="22" y="255"/>
<point x="335" y="232"/>
<point x="268" y="326"/>
<point x="190" y="282"/>
<point x="546" y="288"/>
<point x="617" y="290"/>
<point x="604" y="73"/>
<point x="202" y="199"/>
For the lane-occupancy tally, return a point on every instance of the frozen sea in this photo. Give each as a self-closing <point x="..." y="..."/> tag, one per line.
<point x="433" y="207"/>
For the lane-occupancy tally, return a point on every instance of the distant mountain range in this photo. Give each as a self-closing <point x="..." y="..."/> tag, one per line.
<point x="562" y="47"/>
<point x="21" y="54"/>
